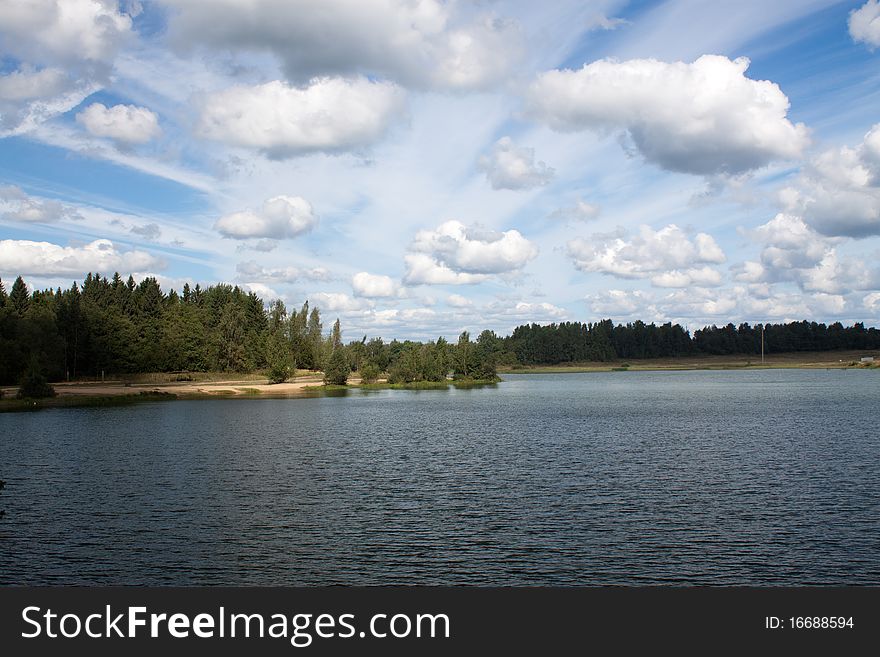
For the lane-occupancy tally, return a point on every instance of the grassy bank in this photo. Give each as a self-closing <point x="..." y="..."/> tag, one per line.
<point x="82" y="401"/>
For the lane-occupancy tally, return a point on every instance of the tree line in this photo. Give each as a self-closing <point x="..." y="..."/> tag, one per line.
<point x="566" y="342"/>
<point x="117" y="327"/>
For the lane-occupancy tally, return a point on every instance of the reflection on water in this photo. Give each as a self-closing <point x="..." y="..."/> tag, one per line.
<point x="751" y="477"/>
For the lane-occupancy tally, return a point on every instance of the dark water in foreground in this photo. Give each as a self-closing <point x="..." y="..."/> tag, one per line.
<point x="751" y="477"/>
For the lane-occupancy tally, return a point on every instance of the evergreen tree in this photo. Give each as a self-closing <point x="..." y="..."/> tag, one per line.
<point x="19" y="297"/>
<point x="278" y="356"/>
<point x="464" y="357"/>
<point x="338" y="369"/>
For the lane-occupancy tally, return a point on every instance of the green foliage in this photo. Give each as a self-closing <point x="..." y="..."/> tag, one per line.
<point x="19" y="297"/>
<point x="34" y="384"/>
<point x="279" y="358"/>
<point x="369" y="373"/>
<point x="118" y="327"/>
<point x="338" y="369"/>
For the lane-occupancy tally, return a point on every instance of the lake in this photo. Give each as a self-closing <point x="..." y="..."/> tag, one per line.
<point x="765" y="477"/>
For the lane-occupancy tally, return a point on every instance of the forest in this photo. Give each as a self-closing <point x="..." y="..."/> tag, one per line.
<point x="110" y="328"/>
<point x="116" y="327"/>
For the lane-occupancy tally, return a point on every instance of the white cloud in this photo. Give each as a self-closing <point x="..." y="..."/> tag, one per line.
<point x="789" y="243"/>
<point x="263" y="291"/>
<point x="372" y="286"/>
<point x="524" y="311"/>
<point x="473" y="251"/>
<point x="864" y="24"/>
<point x="28" y="84"/>
<point x="667" y="256"/>
<point x="704" y="118"/>
<point x="510" y="167"/>
<point x="280" y="217"/>
<point x="421" y="43"/>
<point x="29" y="97"/>
<point x="64" y="50"/>
<point x="458" y="301"/>
<point x="839" y="191"/>
<point x="422" y="269"/>
<point x="580" y="211"/>
<point x="127" y="124"/>
<point x="330" y="114"/>
<point x="793" y="252"/>
<point x="63" y="30"/>
<point x="621" y="303"/>
<point x="338" y="302"/>
<point x="17" y="206"/>
<point x="46" y="259"/>
<point x="150" y="231"/>
<point x="872" y="302"/>
<point x="253" y="271"/>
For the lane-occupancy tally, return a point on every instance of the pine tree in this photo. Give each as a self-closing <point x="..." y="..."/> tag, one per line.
<point x="281" y="364"/>
<point x="19" y="296"/>
<point x="338" y="369"/>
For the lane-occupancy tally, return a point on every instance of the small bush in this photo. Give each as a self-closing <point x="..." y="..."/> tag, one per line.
<point x="369" y="373"/>
<point x="34" y="384"/>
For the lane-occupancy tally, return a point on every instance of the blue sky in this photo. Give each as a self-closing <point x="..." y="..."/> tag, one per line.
<point x="419" y="167"/>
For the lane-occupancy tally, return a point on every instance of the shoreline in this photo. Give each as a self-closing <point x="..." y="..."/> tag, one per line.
<point x="791" y="360"/>
<point x="119" y="393"/>
<point x="161" y="387"/>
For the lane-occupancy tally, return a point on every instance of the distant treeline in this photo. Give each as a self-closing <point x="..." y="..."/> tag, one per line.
<point x="566" y="342"/>
<point x="116" y="327"/>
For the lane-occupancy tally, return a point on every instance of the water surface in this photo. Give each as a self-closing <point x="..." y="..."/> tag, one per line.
<point x="739" y="477"/>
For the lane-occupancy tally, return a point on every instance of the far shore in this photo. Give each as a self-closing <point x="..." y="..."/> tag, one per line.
<point x="793" y="360"/>
<point x="198" y="385"/>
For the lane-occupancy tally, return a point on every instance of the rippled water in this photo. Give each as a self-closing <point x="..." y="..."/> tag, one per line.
<point x="745" y="477"/>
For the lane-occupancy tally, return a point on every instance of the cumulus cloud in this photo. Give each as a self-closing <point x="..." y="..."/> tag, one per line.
<point x="29" y="84"/>
<point x="864" y="24"/>
<point x="580" y="211"/>
<point x="330" y="114"/>
<point x="838" y="193"/>
<point x="126" y="124"/>
<point x="338" y="302"/>
<point x="263" y="291"/>
<point x="523" y="311"/>
<point x="63" y="30"/>
<point x="17" y="206"/>
<point x="458" y="301"/>
<point x="372" y="286"/>
<point x="473" y="251"/>
<point x="279" y="218"/>
<point x="253" y="271"/>
<point x="64" y="50"/>
<point x="793" y="252"/>
<point x="509" y="167"/>
<point x="622" y="303"/>
<point x="705" y="117"/>
<point x="422" y="269"/>
<point x="668" y="257"/>
<point x="46" y="259"/>
<point x="427" y="43"/>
